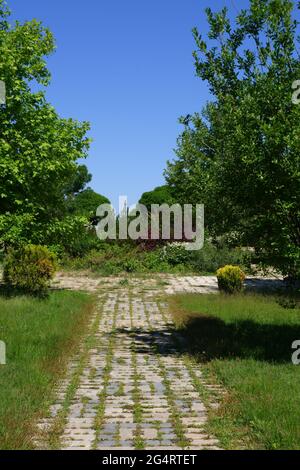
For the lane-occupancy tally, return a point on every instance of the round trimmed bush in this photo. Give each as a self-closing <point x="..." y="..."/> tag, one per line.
<point x="230" y="279"/>
<point x="29" y="269"/>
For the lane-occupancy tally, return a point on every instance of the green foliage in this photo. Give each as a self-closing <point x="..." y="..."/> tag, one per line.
<point x="115" y="258"/>
<point x="16" y="229"/>
<point x="29" y="269"/>
<point x="230" y="279"/>
<point x="131" y="265"/>
<point x="175" y="254"/>
<point x="214" y="256"/>
<point x="244" y="344"/>
<point x="77" y="181"/>
<point x="86" y="202"/>
<point x="241" y="157"/>
<point x="71" y="234"/>
<point x="41" y="335"/>
<point x="160" y="195"/>
<point x="154" y="261"/>
<point x="38" y="149"/>
<point x="189" y="175"/>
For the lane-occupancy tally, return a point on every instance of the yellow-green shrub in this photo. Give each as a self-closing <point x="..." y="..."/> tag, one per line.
<point x="230" y="279"/>
<point x="29" y="268"/>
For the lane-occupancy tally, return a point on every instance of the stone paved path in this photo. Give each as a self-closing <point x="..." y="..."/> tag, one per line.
<point x="172" y="284"/>
<point x="129" y="387"/>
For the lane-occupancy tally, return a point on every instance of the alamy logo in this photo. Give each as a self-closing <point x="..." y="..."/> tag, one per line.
<point x="296" y="94"/>
<point x="180" y="223"/>
<point x="2" y="92"/>
<point x="296" y="354"/>
<point x="2" y="353"/>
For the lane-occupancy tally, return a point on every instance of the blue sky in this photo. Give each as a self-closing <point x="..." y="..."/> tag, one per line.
<point x="127" y="67"/>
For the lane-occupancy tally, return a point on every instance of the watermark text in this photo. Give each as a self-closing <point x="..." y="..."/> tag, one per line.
<point x="2" y="353"/>
<point x="161" y="222"/>
<point x="296" y="354"/>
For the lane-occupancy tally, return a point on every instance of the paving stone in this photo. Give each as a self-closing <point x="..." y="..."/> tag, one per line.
<point x="129" y="324"/>
<point x="150" y="433"/>
<point x="152" y="443"/>
<point x="106" y="444"/>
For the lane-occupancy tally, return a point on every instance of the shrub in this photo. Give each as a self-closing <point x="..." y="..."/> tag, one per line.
<point x="72" y="234"/>
<point x="153" y="261"/>
<point x="213" y="257"/>
<point x="29" y="269"/>
<point x="230" y="279"/>
<point x="132" y="266"/>
<point x="175" y="254"/>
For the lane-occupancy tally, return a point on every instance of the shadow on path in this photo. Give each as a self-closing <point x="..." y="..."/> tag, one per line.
<point x="208" y="338"/>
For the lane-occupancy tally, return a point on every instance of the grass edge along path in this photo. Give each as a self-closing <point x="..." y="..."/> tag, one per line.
<point x="40" y="336"/>
<point x="53" y="437"/>
<point x="244" y="345"/>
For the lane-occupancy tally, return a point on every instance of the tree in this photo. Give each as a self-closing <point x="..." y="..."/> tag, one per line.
<point x="38" y="149"/>
<point x="189" y="176"/>
<point x="249" y="158"/>
<point x="160" y="195"/>
<point x="86" y="202"/>
<point x="77" y="181"/>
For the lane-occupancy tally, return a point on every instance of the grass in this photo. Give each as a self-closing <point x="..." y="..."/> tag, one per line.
<point x="40" y="336"/>
<point x="105" y="381"/>
<point x="175" y="415"/>
<point x="244" y="343"/>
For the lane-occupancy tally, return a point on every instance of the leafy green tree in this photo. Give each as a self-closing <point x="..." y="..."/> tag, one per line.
<point x="77" y="181"/>
<point x="189" y="176"/>
<point x="86" y="202"/>
<point x="245" y="150"/>
<point x="38" y="149"/>
<point x="160" y="195"/>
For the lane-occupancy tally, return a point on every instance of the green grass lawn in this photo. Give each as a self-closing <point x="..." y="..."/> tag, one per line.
<point x="40" y="335"/>
<point x="245" y="343"/>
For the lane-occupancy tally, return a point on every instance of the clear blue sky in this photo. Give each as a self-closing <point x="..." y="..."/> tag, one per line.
<point x="126" y="66"/>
